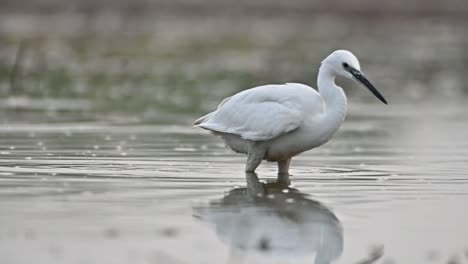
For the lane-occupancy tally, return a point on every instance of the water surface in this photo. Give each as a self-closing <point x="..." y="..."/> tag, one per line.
<point x="391" y="185"/>
<point x="99" y="162"/>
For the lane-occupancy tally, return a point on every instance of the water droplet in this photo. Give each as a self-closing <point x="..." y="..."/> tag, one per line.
<point x="271" y="196"/>
<point x="96" y="147"/>
<point x="290" y="200"/>
<point x="285" y="190"/>
<point x="28" y="158"/>
<point x="107" y="138"/>
<point x="12" y="147"/>
<point x="123" y="154"/>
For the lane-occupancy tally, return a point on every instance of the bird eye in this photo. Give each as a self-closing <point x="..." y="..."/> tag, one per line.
<point x="345" y="65"/>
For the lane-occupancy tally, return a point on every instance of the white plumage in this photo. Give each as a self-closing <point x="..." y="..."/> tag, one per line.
<point x="276" y="122"/>
<point x="262" y="113"/>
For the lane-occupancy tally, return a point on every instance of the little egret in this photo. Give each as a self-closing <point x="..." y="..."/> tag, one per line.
<point x="277" y="122"/>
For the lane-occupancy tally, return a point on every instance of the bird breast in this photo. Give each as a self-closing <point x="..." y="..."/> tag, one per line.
<point x="314" y="132"/>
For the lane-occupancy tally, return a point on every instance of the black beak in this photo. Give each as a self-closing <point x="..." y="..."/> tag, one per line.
<point x="362" y="79"/>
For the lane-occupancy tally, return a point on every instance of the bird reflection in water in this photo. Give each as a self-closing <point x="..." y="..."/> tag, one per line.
<point x="274" y="220"/>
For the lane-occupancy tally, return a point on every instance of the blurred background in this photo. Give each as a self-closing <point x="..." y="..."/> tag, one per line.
<point x="153" y="60"/>
<point x="99" y="162"/>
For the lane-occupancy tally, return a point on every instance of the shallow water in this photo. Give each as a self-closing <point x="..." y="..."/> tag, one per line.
<point x="99" y="163"/>
<point x="391" y="185"/>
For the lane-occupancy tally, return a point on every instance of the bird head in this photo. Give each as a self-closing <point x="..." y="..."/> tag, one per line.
<point x="344" y="63"/>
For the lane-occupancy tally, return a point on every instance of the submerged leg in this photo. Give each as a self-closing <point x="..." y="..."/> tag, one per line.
<point x="255" y="155"/>
<point x="283" y="167"/>
<point x="254" y="186"/>
<point x="283" y="171"/>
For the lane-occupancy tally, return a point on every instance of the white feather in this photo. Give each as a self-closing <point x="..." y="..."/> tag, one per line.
<point x="277" y="122"/>
<point x="262" y="113"/>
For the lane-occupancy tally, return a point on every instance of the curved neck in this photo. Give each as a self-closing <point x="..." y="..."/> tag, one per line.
<point x="332" y="95"/>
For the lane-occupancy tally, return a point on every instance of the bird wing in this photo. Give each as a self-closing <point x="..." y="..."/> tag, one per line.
<point x="205" y="117"/>
<point x="261" y="113"/>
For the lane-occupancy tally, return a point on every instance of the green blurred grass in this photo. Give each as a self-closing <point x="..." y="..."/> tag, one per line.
<point x="129" y="74"/>
<point x="191" y="72"/>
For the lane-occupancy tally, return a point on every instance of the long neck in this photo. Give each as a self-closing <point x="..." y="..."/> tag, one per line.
<point x="332" y="95"/>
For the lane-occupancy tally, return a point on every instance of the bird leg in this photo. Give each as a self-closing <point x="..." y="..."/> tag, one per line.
<point x="283" y="170"/>
<point x="255" y="154"/>
<point x="254" y="186"/>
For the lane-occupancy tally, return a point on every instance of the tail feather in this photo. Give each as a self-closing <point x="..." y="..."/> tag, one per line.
<point x="207" y="116"/>
<point x="202" y="119"/>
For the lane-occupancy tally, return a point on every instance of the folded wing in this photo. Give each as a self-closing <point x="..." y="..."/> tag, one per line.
<point x="258" y="114"/>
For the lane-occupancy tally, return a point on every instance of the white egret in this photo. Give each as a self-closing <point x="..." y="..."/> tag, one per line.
<point x="277" y="122"/>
